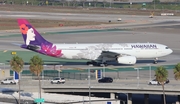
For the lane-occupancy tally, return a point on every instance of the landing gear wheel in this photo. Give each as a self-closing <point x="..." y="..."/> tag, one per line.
<point x="155" y="60"/>
<point x="89" y="63"/>
<point x="104" y="64"/>
<point x="92" y="63"/>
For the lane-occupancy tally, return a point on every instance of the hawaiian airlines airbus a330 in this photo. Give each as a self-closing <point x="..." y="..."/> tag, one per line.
<point x="98" y="53"/>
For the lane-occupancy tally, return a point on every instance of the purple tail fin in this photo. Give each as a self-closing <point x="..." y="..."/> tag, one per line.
<point x="29" y="33"/>
<point x="35" y="42"/>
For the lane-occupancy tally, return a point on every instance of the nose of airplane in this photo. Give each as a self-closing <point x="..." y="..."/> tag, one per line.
<point x="167" y="51"/>
<point x="170" y="51"/>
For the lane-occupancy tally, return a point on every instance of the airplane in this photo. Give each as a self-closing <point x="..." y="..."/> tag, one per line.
<point x="98" y="54"/>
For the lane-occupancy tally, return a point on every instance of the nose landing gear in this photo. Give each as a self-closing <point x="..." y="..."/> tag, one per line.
<point x="155" y="61"/>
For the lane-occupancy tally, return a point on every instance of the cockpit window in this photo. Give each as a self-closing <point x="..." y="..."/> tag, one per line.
<point x="167" y="47"/>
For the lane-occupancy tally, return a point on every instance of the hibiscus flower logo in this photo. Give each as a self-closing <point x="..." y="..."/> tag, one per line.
<point x="50" y="50"/>
<point x="23" y="29"/>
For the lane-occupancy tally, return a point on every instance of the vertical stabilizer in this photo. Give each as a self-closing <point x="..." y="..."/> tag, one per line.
<point x="29" y="33"/>
<point x="35" y="42"/>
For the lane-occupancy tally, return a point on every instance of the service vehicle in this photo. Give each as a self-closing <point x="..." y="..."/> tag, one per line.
<point x="8" y="81"/>
<point x="155" y="82"/>
<point x="105" y="80"/>
<point x="58" y="81"/>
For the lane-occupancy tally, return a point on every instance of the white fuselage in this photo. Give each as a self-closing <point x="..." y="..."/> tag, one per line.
<point x="93" y="51"/>
<point x="124" y="53"/>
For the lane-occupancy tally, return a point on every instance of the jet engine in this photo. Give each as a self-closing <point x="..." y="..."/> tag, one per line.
<point x="126" y="60"/>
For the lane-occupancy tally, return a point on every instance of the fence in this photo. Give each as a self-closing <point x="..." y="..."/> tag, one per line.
<point x="50" y="74"/>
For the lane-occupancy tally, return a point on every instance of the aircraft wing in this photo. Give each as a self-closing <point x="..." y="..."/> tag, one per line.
<point x="110" y="55"/>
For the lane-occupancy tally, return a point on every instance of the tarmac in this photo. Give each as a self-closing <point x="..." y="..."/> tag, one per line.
<point x="160" y="29"/>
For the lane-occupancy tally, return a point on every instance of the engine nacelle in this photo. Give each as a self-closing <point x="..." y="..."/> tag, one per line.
<point x="126" y="60"/>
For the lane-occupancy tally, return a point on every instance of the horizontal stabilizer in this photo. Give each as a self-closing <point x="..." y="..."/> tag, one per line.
<point x="17" y="44"/>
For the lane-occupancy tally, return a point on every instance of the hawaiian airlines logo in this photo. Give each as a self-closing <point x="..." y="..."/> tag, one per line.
<point x="29" y="32"/>
<point x="145" y="46"/>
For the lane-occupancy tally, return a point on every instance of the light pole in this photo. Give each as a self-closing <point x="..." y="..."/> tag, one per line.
<point x="89" y="83"/>
<point x="59" y="74"/>
<point x="130" y="4"/>
<point x="103" y="70"/>
<point x="149" y="71"/>
<point x="154" y="5"/>
<point x="110" y="3"/>
<point x="43" y="75"/>
<point x="137" y="75"/>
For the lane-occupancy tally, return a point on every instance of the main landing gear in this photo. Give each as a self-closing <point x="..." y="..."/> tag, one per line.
<point x="94" y="63"/>
<point x="155" y="61"/>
